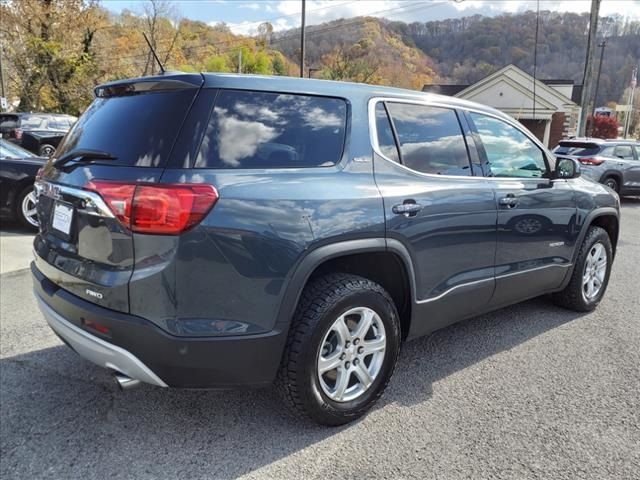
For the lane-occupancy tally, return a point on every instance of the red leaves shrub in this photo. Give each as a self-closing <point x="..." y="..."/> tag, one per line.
<point x="603" y="127"/>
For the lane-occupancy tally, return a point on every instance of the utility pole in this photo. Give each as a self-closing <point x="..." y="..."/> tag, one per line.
<point x="588" y="68"/>
<point x="1" y="80"/>
<point x="304" y="5"/>
<point x="595" y="96"/>
<point x="240" y="61"/>
<point x="627" y="120"/>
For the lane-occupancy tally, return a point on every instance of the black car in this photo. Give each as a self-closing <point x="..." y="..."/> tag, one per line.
<point x="217" y="231"/>
<point x="18" y="170"/>
<point x="39" y="133"/>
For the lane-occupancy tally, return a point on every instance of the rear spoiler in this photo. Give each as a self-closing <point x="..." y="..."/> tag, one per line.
<point x="133" y="86"/>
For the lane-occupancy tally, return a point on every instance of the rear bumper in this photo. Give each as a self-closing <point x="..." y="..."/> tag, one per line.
<point x="139" y="349"/>
<point x="97" y="350"/>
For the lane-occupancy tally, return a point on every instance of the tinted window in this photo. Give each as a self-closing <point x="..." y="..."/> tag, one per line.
<point x="386" y="141"/>
<point x="137" y="129"/>
<point x="431" y="140"/>
<point x="623" y="151"/>
<point x="510" y="153"/>
<point x="273" y="130"/>
<point x="7" y="122"/>
<point x="577" y="149"/>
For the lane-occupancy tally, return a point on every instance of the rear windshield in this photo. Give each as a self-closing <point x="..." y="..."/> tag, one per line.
<point x="8" y="122"/>
<point x="137" y="129"/>
<point x="273" y="130"/>
<point x="577" y="149"/>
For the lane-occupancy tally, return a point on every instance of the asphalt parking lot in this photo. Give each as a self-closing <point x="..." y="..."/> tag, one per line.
<point x="530" y="391"/>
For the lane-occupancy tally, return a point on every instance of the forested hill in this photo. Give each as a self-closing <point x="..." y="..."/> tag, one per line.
<point x="467" y="49"/>
<point x="56" y="51"/>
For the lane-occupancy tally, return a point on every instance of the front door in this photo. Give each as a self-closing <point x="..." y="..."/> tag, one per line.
<point x="434" y="206"/>
<point x="536" y="215"/>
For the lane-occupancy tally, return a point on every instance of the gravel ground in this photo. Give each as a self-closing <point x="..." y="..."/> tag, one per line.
<point x="530" y="391"/>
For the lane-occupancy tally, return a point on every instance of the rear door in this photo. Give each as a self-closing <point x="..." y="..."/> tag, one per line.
<point x="625" y="156"/>
<point x="632" y="174"/>
<point x="130" y="128"/>
<point x="536" y="215"/>
<point x="443" y="215"/>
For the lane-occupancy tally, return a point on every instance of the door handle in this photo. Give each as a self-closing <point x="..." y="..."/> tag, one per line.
<point x="509" y="200"/>
<point x="407" y="209"/>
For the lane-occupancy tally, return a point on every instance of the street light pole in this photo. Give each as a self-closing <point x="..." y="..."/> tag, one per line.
<point x="302" y="22"/>
<point x="595" y="96"/>
<point x="627" y="120"/>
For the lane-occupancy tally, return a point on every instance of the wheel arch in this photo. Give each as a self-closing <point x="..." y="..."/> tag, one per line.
<point x="377" y="259"/>
<point x="612" y="173"/>
<point x="607" y="218"/>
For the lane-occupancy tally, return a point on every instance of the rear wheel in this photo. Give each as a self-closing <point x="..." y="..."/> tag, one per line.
<point x="26" y="208"/>
<point x="342" y="349"/>
<point x="590" y="273"/>
<point x="612" y="183"/>
<point x="46" y="150"/>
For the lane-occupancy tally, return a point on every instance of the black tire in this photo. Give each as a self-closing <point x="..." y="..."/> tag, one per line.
<point x="573" y="296"/>
<point x="46" y="150"/>
<point x="321" y="303"/>
<point x="19" y="214"/>
<point x="612" y="183"/>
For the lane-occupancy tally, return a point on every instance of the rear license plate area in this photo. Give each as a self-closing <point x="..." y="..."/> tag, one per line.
<point x="62" y="219"/>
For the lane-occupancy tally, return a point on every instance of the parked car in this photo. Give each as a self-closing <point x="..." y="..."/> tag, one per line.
<point x="217" y="231"/>
<point x="18" y="169"/>
<point x="615" y="163"/>
<point x="39" y="133"/>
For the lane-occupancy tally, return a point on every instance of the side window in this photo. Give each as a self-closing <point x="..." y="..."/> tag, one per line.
<point x="510" y="153"/>
<point x="273" y="130"/>
<point x="386" y="142"/>
<point x="430" y="138"/>
<point x="623" y="151"/>
<point x="607" y="152"/>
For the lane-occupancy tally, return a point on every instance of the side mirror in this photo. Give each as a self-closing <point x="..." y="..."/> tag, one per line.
<point x="567" y="168"/>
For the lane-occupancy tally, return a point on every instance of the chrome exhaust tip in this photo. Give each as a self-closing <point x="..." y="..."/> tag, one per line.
<point x="124" y="382"/>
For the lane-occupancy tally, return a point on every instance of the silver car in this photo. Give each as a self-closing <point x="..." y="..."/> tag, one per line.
<point x="615" y="163"/>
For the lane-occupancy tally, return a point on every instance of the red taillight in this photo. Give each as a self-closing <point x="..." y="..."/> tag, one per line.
<point x="18" y="133"/>
<point x="165" y="209"/>
<point x="40" y="174"/>
<point x="590" y="161"/>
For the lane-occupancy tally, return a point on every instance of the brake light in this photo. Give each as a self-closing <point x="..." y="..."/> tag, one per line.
<point x="164" y="209"/>
<point x="590" y="161"/>
<point x="39" y="174"/>
<point x="18" y="133"/>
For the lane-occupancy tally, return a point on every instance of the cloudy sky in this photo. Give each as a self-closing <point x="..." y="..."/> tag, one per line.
<point x="243" y="16"/>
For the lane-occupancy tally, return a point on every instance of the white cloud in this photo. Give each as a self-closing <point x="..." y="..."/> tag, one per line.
<point x="251" y="6"/>
<point x="319" y="11"/>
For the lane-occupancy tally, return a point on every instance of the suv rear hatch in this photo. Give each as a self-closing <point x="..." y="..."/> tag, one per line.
<point x="117" y="149"/>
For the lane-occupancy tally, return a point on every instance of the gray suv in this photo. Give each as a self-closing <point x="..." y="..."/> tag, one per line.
<point x="217" y="231"/>
<point x="614" y="163"/>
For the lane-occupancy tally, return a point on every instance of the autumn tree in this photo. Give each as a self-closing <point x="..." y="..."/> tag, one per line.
<point x="49" y="45"/>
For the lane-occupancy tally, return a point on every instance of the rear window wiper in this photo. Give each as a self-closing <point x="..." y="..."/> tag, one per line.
<point x="82" y="155"/>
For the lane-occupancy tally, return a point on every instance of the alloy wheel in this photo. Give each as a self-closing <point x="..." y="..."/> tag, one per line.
<point x="351" y="354"/>
<point x="28" y="207"/>
<point x="595" y="270"/>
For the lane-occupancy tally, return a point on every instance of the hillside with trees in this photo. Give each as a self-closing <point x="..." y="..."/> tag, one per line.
<point x="467" y="49"/>
<point x="56" y="51"/>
